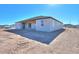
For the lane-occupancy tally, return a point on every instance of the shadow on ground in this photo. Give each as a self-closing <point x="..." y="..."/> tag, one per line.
<point x="44" y="37"/>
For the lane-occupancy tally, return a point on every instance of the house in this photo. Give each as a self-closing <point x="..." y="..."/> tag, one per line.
<point x="40" y="23"/>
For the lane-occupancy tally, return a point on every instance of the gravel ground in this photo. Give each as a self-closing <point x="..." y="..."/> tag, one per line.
<point x="65" y="42"/>
<point x="43" y="37"/>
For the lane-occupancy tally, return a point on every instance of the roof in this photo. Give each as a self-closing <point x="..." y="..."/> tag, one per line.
<point x="40" y="17"/>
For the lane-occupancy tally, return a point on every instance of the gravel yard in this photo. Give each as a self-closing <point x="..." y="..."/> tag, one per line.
<point x="43" y="37"/>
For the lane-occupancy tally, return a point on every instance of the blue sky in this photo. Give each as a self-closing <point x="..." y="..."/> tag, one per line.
<point x="11" y="13"/>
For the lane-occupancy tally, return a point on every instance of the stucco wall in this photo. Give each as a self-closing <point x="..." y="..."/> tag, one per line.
<point x="18" y="25"/>
<point x="32" y="26"/>
<point x="55" y="25"/>
<point x="45" y="27"/>
<point x="26" y="26"/>
<point x="49" y="25"/>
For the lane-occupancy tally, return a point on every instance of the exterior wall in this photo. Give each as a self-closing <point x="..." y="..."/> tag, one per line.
<point x="45" y="27"/>
<point x="26" y="26"/>
<point x="49" y="25"/>
<point x="55" y="25"/>
<point x="32" y="26"/>
<point x="18" y="25"/>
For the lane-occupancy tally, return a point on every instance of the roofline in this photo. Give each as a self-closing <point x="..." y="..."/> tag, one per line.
<point x="56" y="20"/>
<point x="40" y="18"/>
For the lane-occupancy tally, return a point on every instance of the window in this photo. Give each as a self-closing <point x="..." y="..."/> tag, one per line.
<point x="42" y="23"/>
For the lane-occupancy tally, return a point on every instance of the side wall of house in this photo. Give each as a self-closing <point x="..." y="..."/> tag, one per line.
<point x="48" y="26"/>
<point x="18" y="26"/>
<point x="43" y="25"/>
<point x="55" y="25"/>
<point x="33" y="26"/>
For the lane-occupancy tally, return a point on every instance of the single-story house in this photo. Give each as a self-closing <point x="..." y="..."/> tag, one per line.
<point x="40" y="23"/>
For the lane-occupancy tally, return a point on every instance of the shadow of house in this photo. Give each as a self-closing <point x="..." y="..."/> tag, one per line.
<point x="43" y="37"/>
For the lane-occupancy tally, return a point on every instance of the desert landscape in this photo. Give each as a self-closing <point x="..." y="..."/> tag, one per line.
<point x="67" y="42"/>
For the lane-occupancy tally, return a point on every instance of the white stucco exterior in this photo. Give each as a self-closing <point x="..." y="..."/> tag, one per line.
<point x="54" y="25"/>
<point x="18" y="25"/>
<point x="33" y="26"/>
<point x="49" y="25"/>
<point x="46" y="25"/>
